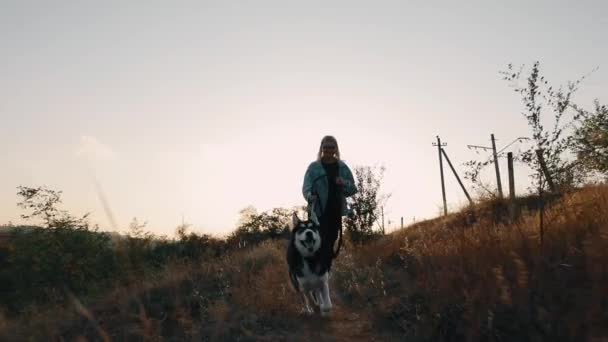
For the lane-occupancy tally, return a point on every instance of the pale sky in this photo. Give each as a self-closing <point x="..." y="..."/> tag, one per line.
<point x="203" y="108"/>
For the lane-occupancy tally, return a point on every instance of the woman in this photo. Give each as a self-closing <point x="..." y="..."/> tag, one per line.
<point x="327" y="183"/>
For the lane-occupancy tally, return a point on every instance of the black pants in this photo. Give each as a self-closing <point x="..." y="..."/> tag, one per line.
<point x="331" y="223"/>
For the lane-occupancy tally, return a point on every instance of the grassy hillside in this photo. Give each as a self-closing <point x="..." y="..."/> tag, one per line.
<point x="475" y="275"/>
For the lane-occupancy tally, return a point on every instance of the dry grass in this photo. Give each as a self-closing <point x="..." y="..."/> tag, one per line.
<point x="494" y="281"/>
<point x="465" y="277"/>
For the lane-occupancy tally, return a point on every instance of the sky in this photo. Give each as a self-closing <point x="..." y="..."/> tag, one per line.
<point x="195" y="110"/>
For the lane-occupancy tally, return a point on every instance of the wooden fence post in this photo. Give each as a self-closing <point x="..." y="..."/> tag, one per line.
<point x="541" y="160"/>
<point x="496" y="166"/>
<point x="514" y="209"/>
<point x="511" y="176"/>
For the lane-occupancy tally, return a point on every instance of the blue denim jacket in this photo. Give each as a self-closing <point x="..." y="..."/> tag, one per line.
<point x="315" y="181"/>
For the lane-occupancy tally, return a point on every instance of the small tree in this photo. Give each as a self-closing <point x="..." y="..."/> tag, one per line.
<point x="63" y="255"/>
<point x="366" y="203"/>
<point x="537" y="95"/>
<point x="255" y="227"/>
<point x="555" y="140"/>
<point x="42" y="204"/>
<point x="590" y="139"/>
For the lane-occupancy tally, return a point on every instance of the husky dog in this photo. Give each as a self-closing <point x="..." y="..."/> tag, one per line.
<point x="308" y="270"/>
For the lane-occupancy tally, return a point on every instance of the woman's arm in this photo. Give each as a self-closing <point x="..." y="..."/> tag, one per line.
<point x="307" y="186"/>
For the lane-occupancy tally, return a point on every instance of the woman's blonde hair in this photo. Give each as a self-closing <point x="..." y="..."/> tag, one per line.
<point x="328" y="138"/>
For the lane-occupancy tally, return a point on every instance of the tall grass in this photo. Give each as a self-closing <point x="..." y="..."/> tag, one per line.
<point x="470" y="276"/>
<point x="489" y="281"/>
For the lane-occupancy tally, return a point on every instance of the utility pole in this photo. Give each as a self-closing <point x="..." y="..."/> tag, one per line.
<point x="457" y="178"/>
<point x="496" y="166"/>
<point x="439" y="145"/>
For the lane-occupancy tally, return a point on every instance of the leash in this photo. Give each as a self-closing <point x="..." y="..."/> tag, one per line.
<point x="312" y="214"/>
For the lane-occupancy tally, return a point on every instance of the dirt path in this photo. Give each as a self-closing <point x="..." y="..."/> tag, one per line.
<point x="344" y="324"/>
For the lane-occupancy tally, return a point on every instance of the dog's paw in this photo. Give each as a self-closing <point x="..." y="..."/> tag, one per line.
<point x="307" y="311"/>
<point x="325" y="310"/>
<point x="326" y="306"/>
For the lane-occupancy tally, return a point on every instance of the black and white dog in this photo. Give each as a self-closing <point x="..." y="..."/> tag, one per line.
<point x="308" y="270"/>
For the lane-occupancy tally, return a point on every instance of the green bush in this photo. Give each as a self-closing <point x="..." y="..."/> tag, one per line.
<point x="44" y="263"/>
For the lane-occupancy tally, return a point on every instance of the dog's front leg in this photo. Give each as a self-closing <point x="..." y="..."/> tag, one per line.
<point x="325" y="299"/>
<point x="307" y="299"/>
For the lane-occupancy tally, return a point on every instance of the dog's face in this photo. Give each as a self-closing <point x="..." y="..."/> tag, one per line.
<point x="306" y="236"/>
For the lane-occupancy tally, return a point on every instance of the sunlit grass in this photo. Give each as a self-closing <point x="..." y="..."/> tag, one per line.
<point x="465" y="277"/>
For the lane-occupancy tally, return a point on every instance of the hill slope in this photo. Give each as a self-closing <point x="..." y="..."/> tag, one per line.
<point x="471" y="276"/>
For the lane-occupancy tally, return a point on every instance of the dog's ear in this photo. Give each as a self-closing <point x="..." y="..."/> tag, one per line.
<point x="295" y="220"/>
